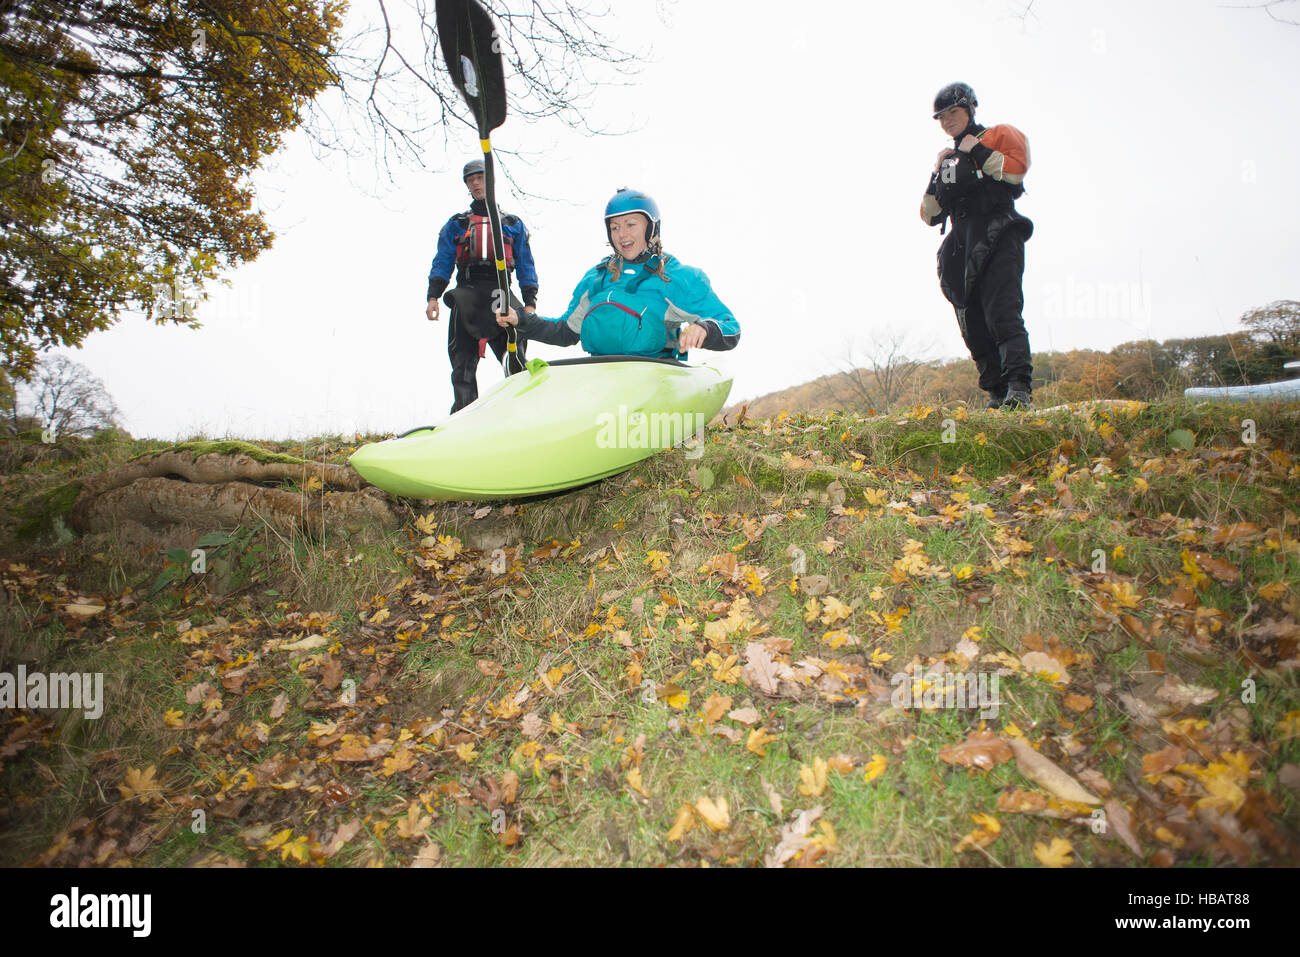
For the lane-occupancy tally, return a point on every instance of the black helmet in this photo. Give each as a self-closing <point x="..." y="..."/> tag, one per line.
<point x="955" y="94"/>
<point x="472" y="167"/>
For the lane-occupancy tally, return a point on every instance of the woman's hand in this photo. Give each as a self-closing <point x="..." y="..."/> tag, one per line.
<point x="511" y="318"/>
<point x="969" y="143"/>
<point x="690" y="337"/>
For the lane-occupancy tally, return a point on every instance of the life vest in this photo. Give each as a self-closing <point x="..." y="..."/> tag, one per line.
<point x="475" y="243"/>
<point x="621" y="324"/>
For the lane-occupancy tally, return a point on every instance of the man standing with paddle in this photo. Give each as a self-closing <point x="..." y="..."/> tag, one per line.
<point x="466" y="243"/>
<point x="472" y="52"/>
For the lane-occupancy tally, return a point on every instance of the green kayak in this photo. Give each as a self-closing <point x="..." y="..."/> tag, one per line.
<point x="554" y="426"/>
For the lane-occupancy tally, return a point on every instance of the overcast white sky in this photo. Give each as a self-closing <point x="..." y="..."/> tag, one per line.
<point x="788" y="146"/>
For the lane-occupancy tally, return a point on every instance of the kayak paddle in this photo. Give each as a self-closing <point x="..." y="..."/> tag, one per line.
<point x="473" y="54"/>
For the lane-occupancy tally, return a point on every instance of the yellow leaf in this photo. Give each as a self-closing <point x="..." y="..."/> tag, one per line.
<point x="758" y="741"/>
<point x="727" y="671"/>
<point x="834" y="610"/>
<point x="1058" y="854"/>
<point x="715" y="707"/>
<point x="963" y="572"/>
<point x="466" y="752"/>
<point x="424" y="524"/>
<point x="679" y="700"/>
<point x="874" y="768"/>
<point x="140" y="784"/>
<point x="173" y="718"/>
<point x="984" y="835"/>
<point x="657" y="560"/>
<point x="715" y="816"/>
<point x="635" y="783"/>
<point x="684" y="822"/>
<point x="1272" y="591"/>
<point x="813" y="779"/>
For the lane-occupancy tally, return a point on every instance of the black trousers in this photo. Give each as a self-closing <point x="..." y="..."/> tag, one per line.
<point x="993" y="326"/>
<point x="463" y="334"/>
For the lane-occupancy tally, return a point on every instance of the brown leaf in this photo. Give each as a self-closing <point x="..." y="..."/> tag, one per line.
<point x="814" y="585"/>
<point x="509" y="787"/>
<point x="345" y="833"/>
<point x="746" y="716"/>
<point x="1177" y="692"/>
<point x="279" y="705"/>
<point x="489" y="669"/>
<point x="1120" y="823"/>
<point x="1158" y="762"/>
<point x="430" y="855"/>
<point x="982" y="749"/>
<point x="532" y="725"/>
<point x="715" y="707"/>
<point x="1043" y="771"/>
<point x="331" y="675"/>
<point x="1078" y="702"/>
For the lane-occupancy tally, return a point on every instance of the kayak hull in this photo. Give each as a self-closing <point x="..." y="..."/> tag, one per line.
<point x="552" y="427"/>
<point x="1287" y="391"/>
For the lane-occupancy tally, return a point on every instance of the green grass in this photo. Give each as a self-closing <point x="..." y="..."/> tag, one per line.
<point x="489" y="636"/>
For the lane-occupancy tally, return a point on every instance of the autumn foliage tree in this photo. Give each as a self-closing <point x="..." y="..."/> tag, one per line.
<point x="130" y="131"/>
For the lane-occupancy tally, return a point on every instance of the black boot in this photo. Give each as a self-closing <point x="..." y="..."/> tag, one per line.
<point x="996" y="399"/>
<point x="1018" y="396"/>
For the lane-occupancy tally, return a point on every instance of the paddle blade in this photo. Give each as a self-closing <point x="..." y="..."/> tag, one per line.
<point x="472" y="52"/>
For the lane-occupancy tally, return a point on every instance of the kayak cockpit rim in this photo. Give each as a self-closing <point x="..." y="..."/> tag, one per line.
<point x="593" y="360"/>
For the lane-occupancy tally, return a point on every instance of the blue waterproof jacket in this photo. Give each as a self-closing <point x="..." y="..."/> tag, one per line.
<point x="444" y="261"/>
<point x="638" y="313"/>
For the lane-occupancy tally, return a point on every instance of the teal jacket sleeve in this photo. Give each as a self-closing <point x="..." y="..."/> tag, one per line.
<point x="566" y="330"/>
<point x="691" y="299"/>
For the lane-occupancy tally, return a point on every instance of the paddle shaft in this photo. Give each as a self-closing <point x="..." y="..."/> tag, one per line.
<point x="498" y="243"/>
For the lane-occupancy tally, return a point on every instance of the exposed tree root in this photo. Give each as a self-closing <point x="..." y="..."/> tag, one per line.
<point x="215" y="490"/>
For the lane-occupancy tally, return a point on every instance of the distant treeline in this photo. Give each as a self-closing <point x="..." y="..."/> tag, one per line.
<point x="1146" y="369"/>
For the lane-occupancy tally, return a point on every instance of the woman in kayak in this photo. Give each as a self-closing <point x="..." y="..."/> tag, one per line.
<point x="640" y="301"/>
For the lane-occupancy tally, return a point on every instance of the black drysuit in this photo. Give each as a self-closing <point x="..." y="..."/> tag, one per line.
<point x="981" y="263"/>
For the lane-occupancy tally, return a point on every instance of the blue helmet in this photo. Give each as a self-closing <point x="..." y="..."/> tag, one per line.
<point x="634" y="201"/>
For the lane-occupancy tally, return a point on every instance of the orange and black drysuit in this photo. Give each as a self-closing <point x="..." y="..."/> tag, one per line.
<point x="982" y="260"/>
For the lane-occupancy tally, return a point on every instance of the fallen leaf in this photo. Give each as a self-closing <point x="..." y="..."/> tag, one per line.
<point x="1038" y="663"/>
<point x="1178" y="693"/>
<point x="683" y="823"/>
<point x="1160" y="762"/>
<point x="758" y="741"/>
<point x="985" y="834"/>
<point x="874" y="768"/>
<point x="774" y="800"/>
<point x="430" y="856"/>
<point x="794" y="838"/>
<point x="489" y="669"/>
<point x="1120" y="822"/>
<point x="279" y="705"/>
<point x="1044" y="772"/>
<point x="634" y="781"/>
<point x="812" y="779"/>
<point x="745" y="716"/>
<point x="715" y="816"/>
<point x="981" y="749"/>
<point x="1057" y="854"/>
<point x="306" y="643"/>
